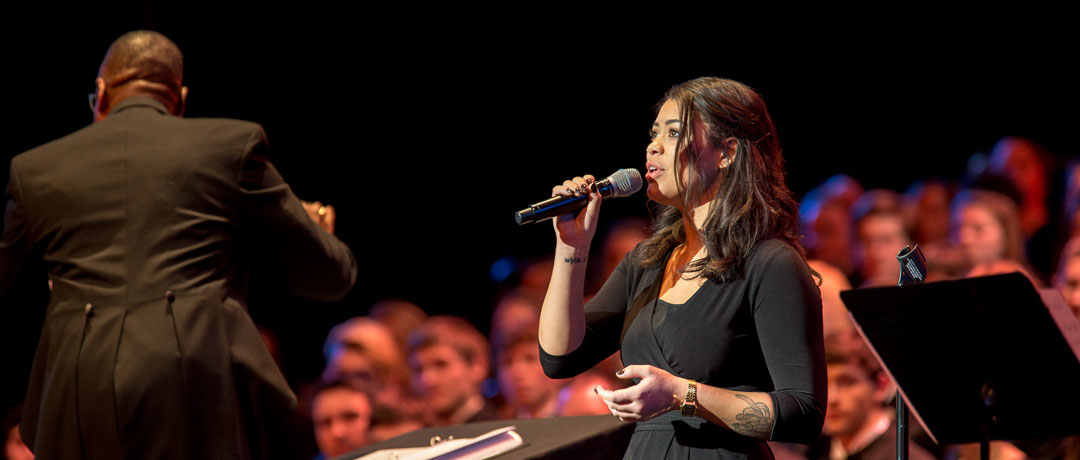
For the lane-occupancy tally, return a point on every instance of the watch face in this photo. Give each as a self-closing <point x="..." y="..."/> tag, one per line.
<point x="689" y="409"/>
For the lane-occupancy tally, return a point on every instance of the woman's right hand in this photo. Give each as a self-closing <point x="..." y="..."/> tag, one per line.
<point x="577" y="230"/>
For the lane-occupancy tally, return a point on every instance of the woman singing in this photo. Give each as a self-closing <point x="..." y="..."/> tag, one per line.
<point x="717" y="315"/>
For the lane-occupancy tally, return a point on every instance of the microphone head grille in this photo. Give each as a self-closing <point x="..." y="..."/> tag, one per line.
<point x="626" y="182"/>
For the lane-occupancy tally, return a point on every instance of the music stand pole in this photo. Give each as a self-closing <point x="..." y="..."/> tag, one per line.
<point x="912" y="271"/>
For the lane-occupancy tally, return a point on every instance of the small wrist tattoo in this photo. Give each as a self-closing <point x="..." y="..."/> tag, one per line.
<point x="574" y="260"/>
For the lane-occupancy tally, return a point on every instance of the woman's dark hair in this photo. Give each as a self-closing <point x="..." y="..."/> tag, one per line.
<point x="752" y="202"/>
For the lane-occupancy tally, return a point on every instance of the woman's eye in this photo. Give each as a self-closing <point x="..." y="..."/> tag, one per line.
<point x="673" y="133"/>
<point x="653" y="134"/>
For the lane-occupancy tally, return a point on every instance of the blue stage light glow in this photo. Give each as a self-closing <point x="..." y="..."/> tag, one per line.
<point x="502" y="269"/>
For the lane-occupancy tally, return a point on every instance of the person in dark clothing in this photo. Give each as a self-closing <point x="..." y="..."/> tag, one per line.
<point x="716" y="314"/>
<point x="147" y="225"/>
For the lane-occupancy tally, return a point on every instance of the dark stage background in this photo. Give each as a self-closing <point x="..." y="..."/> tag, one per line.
<point x="427" y="135"/>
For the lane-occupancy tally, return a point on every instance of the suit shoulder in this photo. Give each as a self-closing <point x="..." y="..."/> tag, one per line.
<point x="224" y="124"/>
<point x="190" y="129"/>
<point x="220" y="129"/>
<point x="224" y="136"/>
<point x="48" y="151"/>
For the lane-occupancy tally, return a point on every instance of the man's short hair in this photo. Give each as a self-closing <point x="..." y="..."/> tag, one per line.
<point x="344" y="383"/>
<point x="853" y="351"/>
<point x="151" y="55"/>
<point x="373" y="340"/>
<point x="453" y="332"/>
<point x="879" y="203"/>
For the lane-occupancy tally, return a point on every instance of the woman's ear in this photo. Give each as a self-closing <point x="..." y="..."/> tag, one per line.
<point x="728" y="150"/>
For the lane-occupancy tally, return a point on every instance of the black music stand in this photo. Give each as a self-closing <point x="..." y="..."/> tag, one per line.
<point x="977" y="359"/>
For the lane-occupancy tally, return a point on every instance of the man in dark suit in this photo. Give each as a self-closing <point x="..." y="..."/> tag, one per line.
<point x="147" y="224"/>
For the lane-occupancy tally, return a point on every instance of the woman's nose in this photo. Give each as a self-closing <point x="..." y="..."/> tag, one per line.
<point x="654" y="148"/>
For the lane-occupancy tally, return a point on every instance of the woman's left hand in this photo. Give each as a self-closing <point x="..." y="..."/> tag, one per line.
<point x="652" y="396"/>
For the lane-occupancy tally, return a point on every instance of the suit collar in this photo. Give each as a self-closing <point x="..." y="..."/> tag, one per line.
<point x="139" y="101"/>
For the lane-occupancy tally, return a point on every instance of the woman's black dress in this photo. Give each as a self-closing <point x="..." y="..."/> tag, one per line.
<point x="759" y="332"/>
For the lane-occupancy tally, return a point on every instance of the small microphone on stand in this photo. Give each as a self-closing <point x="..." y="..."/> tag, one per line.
<point x="912" y="266"/>
<point x="624" y="182"/>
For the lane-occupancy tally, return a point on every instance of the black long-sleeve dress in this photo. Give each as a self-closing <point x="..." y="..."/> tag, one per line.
<point x="759" y="332"/>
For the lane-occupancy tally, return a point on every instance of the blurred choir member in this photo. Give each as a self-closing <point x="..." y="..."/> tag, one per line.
<point x="926" y="211"/>
<point x="528" y="392"/>
<point x="1023" y="163"/>
<point x="986" y="228"/>
<point x="401" y="316"/>
<point x="927" y="216"/>
<point x="514" y="336"/>
<point x="1028" y="168"/>
<point x="858" y="425"/>
<point x="514" y="307"/>
<point x="1067" y="278"/>
<point x="449" y="360"/>
<point x="880" y="234"/>
<point x="341" y="413"/>
<point x="825" y="220"/>
<point x="365" y="352"/>
<point x="836" y="322"/>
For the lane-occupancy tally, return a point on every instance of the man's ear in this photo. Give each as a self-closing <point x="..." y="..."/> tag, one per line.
<point x="478" y="370"/>
<point x="101" y="109"/>
<point x="182" y="103"/>
<point x="883" y="387"/>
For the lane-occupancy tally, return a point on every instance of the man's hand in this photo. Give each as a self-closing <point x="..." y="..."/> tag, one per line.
<point x="321" y="214"/>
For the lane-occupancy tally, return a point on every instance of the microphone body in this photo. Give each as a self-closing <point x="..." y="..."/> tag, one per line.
<point x="624" y="182"/>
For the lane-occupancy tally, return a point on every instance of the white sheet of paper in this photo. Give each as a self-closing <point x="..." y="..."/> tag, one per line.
<point x="481" y="447"/>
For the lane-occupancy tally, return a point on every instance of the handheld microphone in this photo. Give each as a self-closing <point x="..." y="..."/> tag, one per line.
<point x="624" y="182"/>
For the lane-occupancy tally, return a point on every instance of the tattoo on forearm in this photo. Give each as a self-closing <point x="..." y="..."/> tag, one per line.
<point x="574" y="260"/>
<point x="755" y="421"/>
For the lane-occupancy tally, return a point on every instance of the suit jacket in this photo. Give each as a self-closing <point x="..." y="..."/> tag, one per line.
<point x="147" y="224"/>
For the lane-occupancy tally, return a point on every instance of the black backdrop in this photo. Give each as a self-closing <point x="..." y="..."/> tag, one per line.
<point x="426" y="134"/>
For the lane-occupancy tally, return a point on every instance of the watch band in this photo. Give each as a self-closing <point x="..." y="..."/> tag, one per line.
<point x="689" y="405"/>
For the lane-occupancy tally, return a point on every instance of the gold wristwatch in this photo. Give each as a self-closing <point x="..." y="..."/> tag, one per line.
<point x="689" y="405"/>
